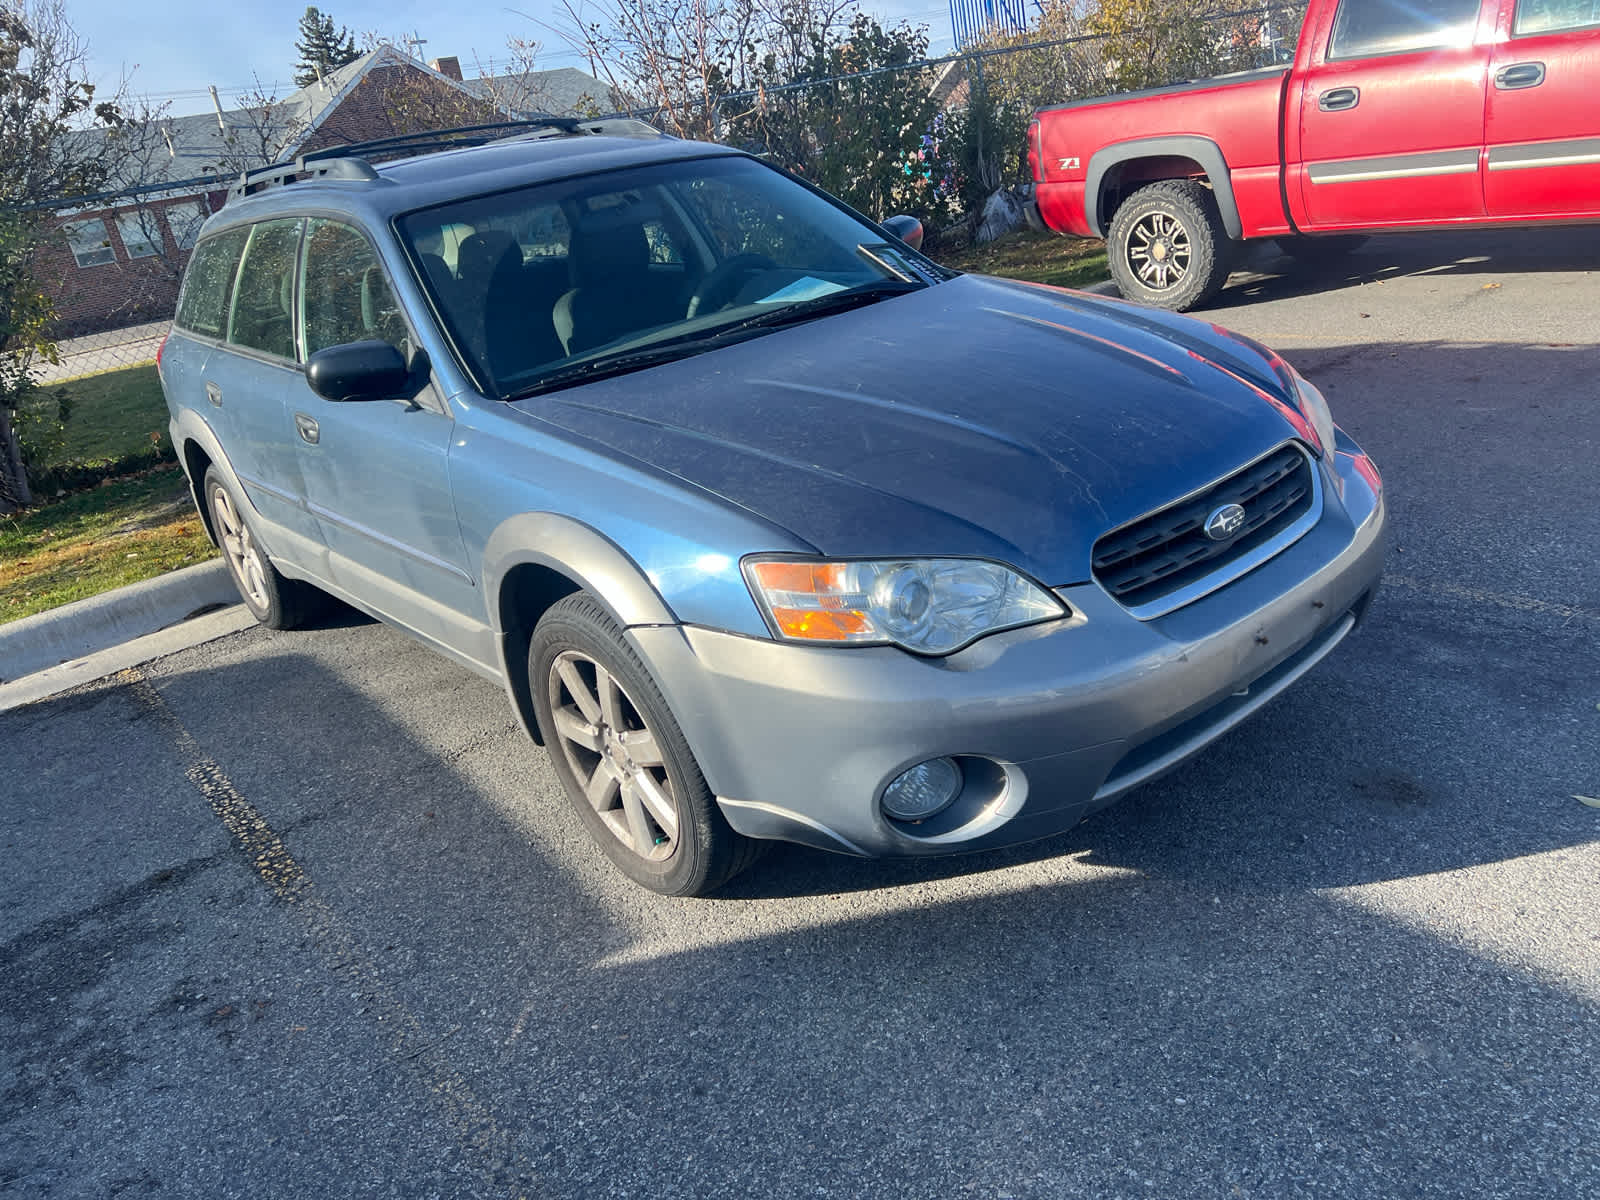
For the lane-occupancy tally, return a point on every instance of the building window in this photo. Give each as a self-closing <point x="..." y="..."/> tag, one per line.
<point x="185" y="220"/>
<point x="91" y="246"/>
<point x="141" y="234"/>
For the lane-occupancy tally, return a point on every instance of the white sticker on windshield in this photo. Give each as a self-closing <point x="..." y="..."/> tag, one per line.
<point x="802" y="289"/>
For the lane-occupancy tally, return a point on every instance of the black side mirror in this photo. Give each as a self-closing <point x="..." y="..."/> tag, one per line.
<point x="907" y="229"/>
<point x="364" y="371"/>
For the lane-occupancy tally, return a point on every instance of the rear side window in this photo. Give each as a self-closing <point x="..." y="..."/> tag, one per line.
<point x="263" y="299"/>
<point x="208" y="285"/>
<point x="1554" y="16"/>
<point x="346" y="295"/>
<point x="1368" y="28"/>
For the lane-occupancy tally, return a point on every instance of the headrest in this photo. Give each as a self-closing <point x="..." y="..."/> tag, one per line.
<point x="608" y="245"/>
<point x="481" y="254"/>
<point x="438" y="270"/>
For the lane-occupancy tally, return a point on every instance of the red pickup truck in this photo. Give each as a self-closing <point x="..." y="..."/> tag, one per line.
<point x="1395" y="115"/>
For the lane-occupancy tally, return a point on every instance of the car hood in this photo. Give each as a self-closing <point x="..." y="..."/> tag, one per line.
<point x="979" y="417"/>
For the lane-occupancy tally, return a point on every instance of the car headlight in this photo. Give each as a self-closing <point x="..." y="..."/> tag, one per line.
<point x="926" y="605"/>
<point x="1314" y="405"/>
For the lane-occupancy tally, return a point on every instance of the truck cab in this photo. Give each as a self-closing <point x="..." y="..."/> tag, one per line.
<point x="1395" y="115"/>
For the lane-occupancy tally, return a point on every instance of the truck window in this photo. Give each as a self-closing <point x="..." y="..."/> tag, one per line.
<point x="1368" y="28"/>
<point x="1554" y="16"/>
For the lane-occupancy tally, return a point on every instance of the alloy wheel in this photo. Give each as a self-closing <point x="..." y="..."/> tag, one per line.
<point x="244" y="556"/>
<point x="614" y="755"/>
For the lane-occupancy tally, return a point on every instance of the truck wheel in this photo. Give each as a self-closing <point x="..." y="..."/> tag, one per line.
<point x="1318" y="250"/>
<point x="1167" y="246"/>
<point x="622" y="759"/>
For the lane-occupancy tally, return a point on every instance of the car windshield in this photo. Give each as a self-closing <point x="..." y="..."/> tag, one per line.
<point x="560" y="282"/>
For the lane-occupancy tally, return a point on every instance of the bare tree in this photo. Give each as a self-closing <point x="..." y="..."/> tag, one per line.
<point x="680" y="61"/>
<point x="45" y="98"/>
<point x="257" y="132"/>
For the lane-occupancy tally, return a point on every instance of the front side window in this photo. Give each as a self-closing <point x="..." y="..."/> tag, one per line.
<point x="141" y="235"/>
<point x="90" y="243"/>
<point x="345" y="295"/>
<point x="668" y="257"/>
<point x="1554" y="16"/>
<point x="263" y="299"/>
<point x="1368" y="28"/>
<point x="208" y="284"/>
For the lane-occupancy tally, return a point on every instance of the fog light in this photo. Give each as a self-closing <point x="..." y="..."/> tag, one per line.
<point x="924" y="790"/>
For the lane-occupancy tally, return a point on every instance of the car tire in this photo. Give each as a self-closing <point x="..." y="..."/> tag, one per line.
<point x="1167" y="246"/>
<point x="623" y="760"/>
<point x="1315" y="251"/>
<point x="276" y="602"/>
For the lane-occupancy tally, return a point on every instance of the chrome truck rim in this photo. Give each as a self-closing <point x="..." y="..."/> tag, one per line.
<point x="1159" y="251"/>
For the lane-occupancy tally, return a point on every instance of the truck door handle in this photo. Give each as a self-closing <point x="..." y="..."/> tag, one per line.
<point x="1518" y="76"/>
<point x="213" y="394"/>
<point x="1339" y="99"/>
<point x="310" y="432"/>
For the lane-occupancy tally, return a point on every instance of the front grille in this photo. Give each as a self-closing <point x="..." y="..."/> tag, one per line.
<point x="1169" y="549"/>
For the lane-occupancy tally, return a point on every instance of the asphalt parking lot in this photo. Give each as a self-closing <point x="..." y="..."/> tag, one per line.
<point x="303" y="913"/>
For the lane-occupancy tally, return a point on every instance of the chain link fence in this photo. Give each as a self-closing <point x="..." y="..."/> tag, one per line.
<point x="95" y="353"/>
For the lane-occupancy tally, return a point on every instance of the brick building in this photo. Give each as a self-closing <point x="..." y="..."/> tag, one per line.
<point x="119" y="257"/>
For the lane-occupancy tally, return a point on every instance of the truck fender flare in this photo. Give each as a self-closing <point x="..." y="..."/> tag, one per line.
<point x="1201" y="149"/>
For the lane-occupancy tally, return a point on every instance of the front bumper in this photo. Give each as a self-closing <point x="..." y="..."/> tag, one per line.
<point x="1049" y="723"/>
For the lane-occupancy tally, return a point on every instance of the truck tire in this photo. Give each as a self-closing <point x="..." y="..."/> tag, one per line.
<point x="1167" y="247"/>
<point x="1318" y="250"/>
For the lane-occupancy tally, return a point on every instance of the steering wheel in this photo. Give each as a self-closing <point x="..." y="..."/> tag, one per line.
<point x="717" y="290"/>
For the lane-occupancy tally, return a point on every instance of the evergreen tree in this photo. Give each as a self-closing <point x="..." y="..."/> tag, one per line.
<point x="322" y="46"/>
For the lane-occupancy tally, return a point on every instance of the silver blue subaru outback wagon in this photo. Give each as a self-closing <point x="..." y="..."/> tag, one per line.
<point x="769" y="526"/>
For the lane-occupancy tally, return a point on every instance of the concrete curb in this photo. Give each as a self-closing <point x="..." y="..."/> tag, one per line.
<point x="112" y="618"/>
<point x="52" y="681"/>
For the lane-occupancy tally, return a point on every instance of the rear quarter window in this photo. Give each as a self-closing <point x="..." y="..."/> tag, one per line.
<point x="208" y="283"/>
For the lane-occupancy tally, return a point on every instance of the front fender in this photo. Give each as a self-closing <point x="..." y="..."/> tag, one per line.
<point x="581" y="553"/>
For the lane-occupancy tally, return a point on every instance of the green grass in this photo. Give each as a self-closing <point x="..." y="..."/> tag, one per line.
<point x="1036" y="257"/>
<point x="113" y="416"/>
<point x="126" y="530"/>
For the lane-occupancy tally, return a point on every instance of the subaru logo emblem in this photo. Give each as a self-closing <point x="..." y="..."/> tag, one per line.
<point x="1225" y="522"/>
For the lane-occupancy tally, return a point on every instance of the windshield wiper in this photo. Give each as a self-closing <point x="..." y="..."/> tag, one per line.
<point x="621" y="362"/>
<point x="822" y="306"/>
<point x="607" y="365"/>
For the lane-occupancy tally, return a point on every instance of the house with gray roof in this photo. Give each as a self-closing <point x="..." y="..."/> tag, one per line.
<point x="121" y="254"/>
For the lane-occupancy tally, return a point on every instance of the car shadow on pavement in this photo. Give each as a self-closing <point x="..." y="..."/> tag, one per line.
<point x="461" y="999"/>
<point x="1265" y="274"/>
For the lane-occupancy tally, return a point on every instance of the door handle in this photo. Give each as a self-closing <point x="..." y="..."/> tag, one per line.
<point x="213" y="394"/>
<point x="1340" y="99"/>
<point x="1518" y="76"/>
<point x="310" y="432"/>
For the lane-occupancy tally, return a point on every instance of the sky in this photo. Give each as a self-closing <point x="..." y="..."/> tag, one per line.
<point x="171" y="52"/>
